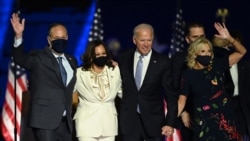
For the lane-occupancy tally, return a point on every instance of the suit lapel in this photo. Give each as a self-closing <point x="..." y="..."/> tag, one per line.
<point x="71" y="62"/>
<point x="73" y="66"/>
<point x="111" y="82"/>
<point x="150" y="69"/>
<point x="54" y="64"/>
<point x="87" y="79"/>
<point x="130" y="66"/>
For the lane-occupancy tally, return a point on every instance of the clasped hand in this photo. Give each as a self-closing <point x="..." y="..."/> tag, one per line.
<point x="167" y="131"/>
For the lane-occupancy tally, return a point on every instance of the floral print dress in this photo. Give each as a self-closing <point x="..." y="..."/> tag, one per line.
<point x="212" y="113"/>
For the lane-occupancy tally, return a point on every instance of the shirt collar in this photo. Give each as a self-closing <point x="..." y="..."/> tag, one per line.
<point x="63" y="56"/>
<point x="137" y="54"/>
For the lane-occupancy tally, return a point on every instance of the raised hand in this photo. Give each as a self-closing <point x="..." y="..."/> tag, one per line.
<point x="17" y="25"/>
<point x="222" y="30"/>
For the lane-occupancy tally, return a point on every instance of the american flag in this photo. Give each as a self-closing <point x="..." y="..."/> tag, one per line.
<point x="178" y="35"/>
<point x="96" y="31"/>
<point x="11" y="112"/>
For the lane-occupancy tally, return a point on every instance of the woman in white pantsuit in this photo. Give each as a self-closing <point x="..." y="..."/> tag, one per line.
<point x="98" y="83"/>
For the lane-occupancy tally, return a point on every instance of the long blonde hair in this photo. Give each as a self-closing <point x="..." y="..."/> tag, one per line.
<point x="194" y="48"/>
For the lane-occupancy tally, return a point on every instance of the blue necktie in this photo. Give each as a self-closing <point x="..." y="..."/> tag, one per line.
<point x="138" y="77"/>
<point x="138" y="72"/>
<point x="63" y="71"/>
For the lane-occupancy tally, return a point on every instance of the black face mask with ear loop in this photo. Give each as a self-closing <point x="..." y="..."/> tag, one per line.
<point x="59" y="45"/>
<point x="204" y="60"/>
<point x="100" y="61"/>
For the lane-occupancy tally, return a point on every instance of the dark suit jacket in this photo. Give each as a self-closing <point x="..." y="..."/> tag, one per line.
<point x="244" y="92"/>
<point x="178" y="65"/>
<point x="48" y="96"/>
<point x="242" y="114"/>
<point x="149" y="97"/>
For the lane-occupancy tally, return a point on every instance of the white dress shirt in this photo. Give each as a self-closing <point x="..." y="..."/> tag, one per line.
<point x="234" y="74"/>
<point x="146" y="60"/>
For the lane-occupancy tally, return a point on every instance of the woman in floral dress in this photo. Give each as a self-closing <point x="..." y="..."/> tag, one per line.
<point x="204" y="82"/>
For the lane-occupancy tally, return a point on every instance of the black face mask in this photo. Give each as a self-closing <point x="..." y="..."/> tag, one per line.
<point x="59" y="45"/>
<point x="100" y="61"/>
<point x="204" y="60"/>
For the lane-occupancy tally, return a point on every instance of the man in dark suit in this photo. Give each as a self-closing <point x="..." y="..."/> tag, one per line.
<point x="237" y="84"/>
<point x="142" y="116"/>
<point x="243" y="98"/>
<point x="194" y="30"/>
<point x="49" y="113"/>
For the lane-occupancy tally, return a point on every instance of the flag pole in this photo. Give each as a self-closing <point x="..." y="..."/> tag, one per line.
<point x="15" y="93"/>
<point x="15" y="79"/>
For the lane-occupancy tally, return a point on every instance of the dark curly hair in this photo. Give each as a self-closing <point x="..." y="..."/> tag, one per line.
<point x="89" y="54"/>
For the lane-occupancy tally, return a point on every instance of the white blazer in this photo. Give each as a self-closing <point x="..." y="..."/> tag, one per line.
<point x="94" y="116"/>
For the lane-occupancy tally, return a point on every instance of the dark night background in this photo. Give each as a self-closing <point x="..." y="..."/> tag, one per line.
<point x="118" y="17"/>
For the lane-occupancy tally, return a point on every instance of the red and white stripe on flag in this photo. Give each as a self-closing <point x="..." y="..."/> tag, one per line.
<point x="177" y="134"/>
<point x="8" y="122"/>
